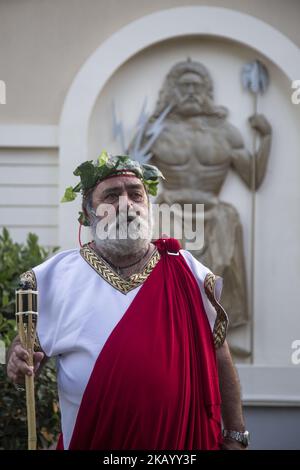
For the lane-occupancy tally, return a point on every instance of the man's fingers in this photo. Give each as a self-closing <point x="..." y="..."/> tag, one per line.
<point x="21" y="352"/>
<point x="14" y="376"/>
<point x="38" y="357"/>
<point x="19" y="366"/>
<point x="23" y="368"/>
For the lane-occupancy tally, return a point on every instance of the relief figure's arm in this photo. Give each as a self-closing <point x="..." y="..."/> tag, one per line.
<point x="241" y="159"/>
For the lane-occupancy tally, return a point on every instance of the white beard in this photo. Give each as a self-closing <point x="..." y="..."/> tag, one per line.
<point x="125" y="237"/>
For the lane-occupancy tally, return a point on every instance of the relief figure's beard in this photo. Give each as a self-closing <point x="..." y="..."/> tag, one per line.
<point x="193" y="104"/>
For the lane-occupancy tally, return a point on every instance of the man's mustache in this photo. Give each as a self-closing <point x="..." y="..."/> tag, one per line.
<point x="122" y="218"/>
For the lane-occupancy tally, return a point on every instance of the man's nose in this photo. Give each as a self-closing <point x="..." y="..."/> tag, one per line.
<point x="129" y="202"/>
<point x="125" y="203"/>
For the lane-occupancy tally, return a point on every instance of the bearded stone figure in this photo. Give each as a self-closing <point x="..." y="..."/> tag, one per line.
<point x="195" y="150"/>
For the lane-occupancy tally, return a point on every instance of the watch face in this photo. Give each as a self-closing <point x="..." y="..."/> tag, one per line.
<point x="246" y="438"/>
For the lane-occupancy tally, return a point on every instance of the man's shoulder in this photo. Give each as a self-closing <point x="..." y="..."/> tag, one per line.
<point x="59" y="258"/>
<point x="198" y="269"/>
<point x="211" y="283"/>
<point x="56" y="261"/>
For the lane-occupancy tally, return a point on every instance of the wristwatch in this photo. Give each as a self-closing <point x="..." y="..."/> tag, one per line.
<point x="242" y="437"/>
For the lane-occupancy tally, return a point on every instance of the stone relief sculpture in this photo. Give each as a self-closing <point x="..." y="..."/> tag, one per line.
<point x="195" y="148"/>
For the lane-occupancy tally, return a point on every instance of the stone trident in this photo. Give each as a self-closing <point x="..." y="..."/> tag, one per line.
<point x="255" y="79"/>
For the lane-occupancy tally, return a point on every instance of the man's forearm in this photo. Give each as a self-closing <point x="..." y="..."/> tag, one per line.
<point x="232" y="413"/>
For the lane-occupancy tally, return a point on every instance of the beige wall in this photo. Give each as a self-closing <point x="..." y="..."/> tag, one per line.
<point x="29" y="193"/>
<point x="43" y="43"/>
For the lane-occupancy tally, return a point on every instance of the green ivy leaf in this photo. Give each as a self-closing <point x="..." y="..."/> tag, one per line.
<point x="151" y="172"/>
<point x="103" y="158"/>
<point x="69" y="195"/>
<point x="88" y="174"/>
<point x="151" y="186"/>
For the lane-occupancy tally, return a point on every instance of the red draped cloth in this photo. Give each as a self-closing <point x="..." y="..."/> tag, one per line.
<point x="155" y="384"/>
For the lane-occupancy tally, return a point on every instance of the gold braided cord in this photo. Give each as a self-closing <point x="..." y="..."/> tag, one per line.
<point x="221" y="323"/>
<point x="110" y="276"/>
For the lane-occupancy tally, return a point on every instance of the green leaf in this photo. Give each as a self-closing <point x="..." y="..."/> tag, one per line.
<point x="151" y="186"/>
<point x="124" y="159"/>
<point x="103" y="158"/>
<point x="69" y="195"/>
<point x="5" y="299"/>
<point x="151" y="172"/>
<point x="88" y="174"/>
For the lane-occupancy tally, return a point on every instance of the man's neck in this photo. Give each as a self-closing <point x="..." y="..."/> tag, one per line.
<point x="129" y="263"/>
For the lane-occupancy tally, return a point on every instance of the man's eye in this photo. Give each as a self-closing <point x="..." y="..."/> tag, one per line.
<point x="137" y="195"/>
<point x="111" y="196"/>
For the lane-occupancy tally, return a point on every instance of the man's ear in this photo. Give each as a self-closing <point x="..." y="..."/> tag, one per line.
<point x="84" y="210"/>
<point x="87" y="202"/>
<point x="85" y="213"/>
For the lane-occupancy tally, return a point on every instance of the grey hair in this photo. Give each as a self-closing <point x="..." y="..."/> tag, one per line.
<point x="87" y="205"/>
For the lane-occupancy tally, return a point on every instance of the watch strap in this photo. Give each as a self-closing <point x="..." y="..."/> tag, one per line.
<point x="239" y="436"/>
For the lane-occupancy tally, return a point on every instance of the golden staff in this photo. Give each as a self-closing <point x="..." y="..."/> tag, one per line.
<point x="26" y="316"/>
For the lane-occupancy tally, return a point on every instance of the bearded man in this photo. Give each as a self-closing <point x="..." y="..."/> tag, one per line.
<point x="135" y="326"/>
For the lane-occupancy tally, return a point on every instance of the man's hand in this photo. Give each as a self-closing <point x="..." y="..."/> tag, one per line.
<point x="231" y="444"/>
<point x="17" y="365"/>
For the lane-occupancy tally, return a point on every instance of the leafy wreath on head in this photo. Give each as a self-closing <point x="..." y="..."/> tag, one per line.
<point x="91" y="173"/>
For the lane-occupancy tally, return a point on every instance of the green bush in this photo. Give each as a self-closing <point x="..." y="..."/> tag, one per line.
<point x="15" y="259"/>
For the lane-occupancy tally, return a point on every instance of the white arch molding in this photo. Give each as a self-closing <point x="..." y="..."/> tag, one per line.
<point x="130" y="40"/>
